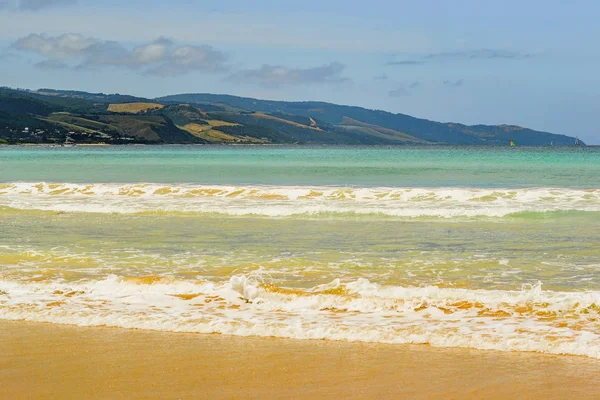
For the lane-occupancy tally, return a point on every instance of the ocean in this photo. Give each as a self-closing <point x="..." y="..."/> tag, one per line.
<point x="485" y="248"/>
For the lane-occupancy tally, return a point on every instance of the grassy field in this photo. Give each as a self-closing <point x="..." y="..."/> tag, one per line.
<point x="146" y="127"/>
<point x="137" y="126"/>
<point x="207" y="132"/>
<point x="134" y="108"/>
<point x="67" y="118"/>
<point x="76" y="124"/>
<point x="313" y="123"/>
<point x="378" y="131"/>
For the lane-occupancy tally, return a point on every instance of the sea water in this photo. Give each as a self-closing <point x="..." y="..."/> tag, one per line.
<point x="488" y="248"/>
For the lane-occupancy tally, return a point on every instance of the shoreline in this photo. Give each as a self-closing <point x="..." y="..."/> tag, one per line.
<point x="307" y="145"/>
<point x="43" y="360"/>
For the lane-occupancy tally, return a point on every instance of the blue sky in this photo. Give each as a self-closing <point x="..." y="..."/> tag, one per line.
<point x="530" y="63"/>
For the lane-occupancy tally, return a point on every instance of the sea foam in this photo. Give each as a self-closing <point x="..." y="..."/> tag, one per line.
<point x="529" y="319"/>
<point x="289" y="201"/>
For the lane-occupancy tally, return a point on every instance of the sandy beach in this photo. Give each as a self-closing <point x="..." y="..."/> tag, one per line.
<point x="43" y="361"/>
<point x="333" y="259"/>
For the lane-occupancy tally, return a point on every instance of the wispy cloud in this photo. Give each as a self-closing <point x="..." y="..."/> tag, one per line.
<point x="33" y="5"/>
<point x="456" y="83"/>
<point x="478" y="54"/>
<point x="404" y="90"/>
<point x="8" y="56"/>
<point x="405" y="62"/>
<point x="400" y="92"/>
<point x="159" y="57"/>
<point x="51" y="64"/>
<point x="382" y="77"/>
<point x="276" y="75"/>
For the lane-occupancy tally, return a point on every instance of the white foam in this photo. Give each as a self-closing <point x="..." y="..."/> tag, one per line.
<point x="282" y="201"/>
<point x="530" y="319"/>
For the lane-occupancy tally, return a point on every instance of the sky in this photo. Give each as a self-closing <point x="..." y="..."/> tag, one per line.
<point x="531" y="63"/>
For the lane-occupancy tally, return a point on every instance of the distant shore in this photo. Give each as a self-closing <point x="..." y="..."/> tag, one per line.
<point x="54" y="361"/>
<point x="309" y="145"/>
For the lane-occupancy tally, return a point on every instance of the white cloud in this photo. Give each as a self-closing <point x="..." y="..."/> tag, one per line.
<point x="160" y="57"/>
<point x="63" y="46"/>
<point x="106" y="54"/>
<point x="151" y="52"/>
<point x="259" y="30"/>
<point x="185" y="59"/>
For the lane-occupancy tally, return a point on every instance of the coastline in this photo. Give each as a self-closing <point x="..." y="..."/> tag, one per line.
<point x="309" y="145"/>
<point x="59" y="361"/>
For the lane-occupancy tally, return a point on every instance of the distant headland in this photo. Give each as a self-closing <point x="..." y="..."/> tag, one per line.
<point x="48" y="116"/>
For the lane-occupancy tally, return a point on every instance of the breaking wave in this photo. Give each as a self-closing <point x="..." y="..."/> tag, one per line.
<point x="529" y="319"/>
<point x="286" y="201"/>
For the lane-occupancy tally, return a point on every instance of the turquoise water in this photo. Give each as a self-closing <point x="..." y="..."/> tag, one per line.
<point x="398" y="166"/>
<point x="489" y="248"/>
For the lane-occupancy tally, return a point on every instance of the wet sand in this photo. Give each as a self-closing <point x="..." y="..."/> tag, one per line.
<point x="45" y="361"/>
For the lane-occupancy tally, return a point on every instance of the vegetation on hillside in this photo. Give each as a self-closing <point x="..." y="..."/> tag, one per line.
<point x="410" y="128"/>
<point x="133" y="108"/>
<point x="95" y="97"/>
<point x="56" y="116"/>
<point x="31" y="117"/>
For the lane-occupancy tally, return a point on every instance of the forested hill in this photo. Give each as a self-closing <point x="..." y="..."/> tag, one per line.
<point x="57" y="116"/>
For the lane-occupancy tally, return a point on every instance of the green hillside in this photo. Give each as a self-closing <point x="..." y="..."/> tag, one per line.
<point x="31" y="117"/>
<point x="371" y="122"/>
<point x="55" y="116"/>
<point x="95" y="97"/>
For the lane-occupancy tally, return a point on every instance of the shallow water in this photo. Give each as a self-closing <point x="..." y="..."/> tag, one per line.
<point x="566" y="167"/>
<point x="480" y="248"/>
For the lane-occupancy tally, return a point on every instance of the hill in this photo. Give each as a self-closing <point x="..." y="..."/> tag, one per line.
<point x="55" y="116"/>
<point x="96" y="97"/>
<point x="32" y="117"/>
<point x="386" y="126"/>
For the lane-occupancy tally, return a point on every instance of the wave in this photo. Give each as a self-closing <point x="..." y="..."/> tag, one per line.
<point x="530" y="319"/>
<point x="289" y="201"/>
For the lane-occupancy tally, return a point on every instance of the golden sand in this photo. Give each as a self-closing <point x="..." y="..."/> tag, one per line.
<point x="44" y="361"/>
